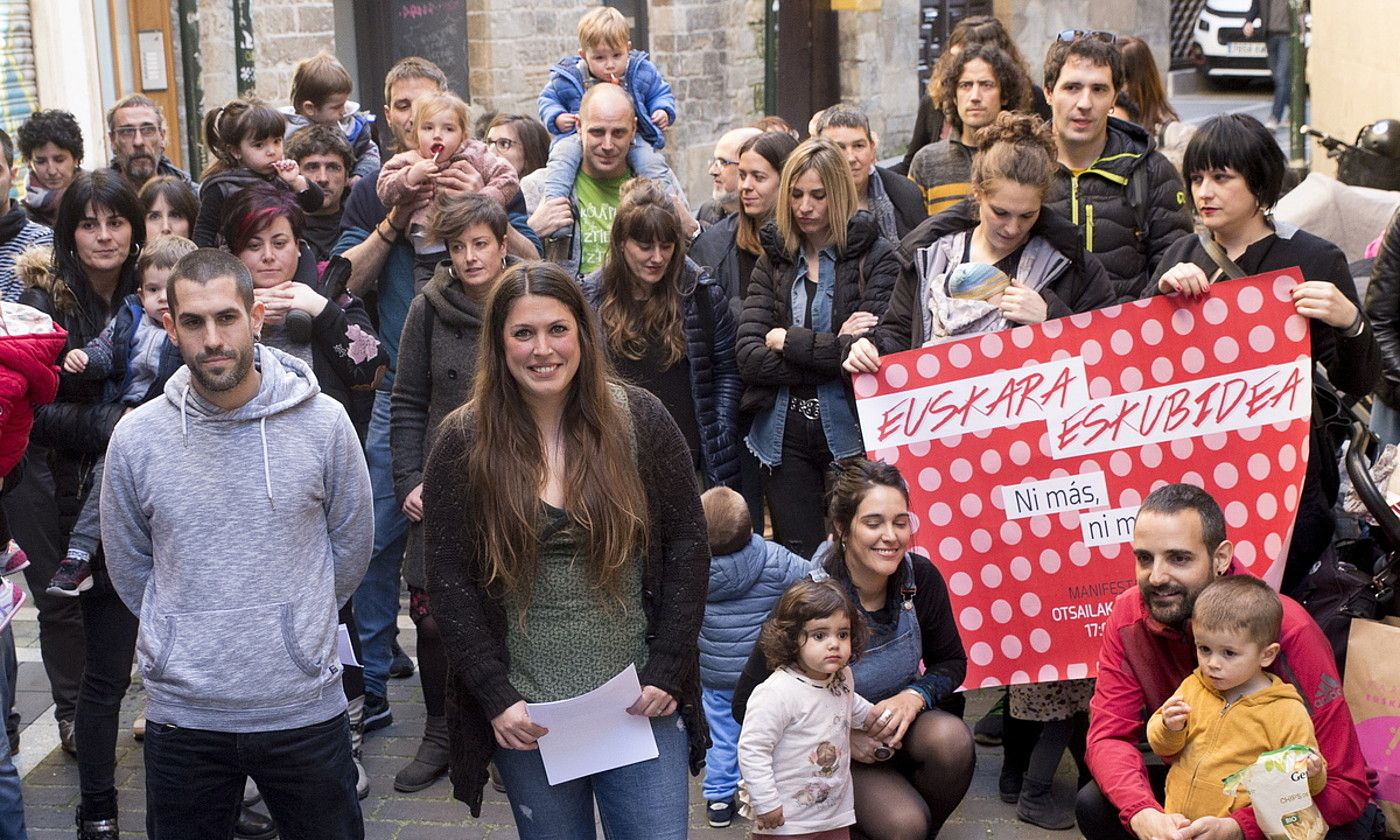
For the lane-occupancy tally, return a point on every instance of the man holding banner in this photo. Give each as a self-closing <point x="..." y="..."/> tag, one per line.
<point x="1180" y="545"/>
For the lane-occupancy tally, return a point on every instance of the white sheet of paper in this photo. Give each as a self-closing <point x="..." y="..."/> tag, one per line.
<point x="593" y="732"/>
<point x="347" y="650"/>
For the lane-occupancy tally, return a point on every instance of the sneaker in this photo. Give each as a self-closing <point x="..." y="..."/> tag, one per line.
<point x="68" y="737"/>
<point x="11" y="597"/>
<point x="377" y="713"/>
<point x="1272" y="123"/>
<point x="73" y="576"/>
<point x="720" y="812"/>
<point x="401" y="667"/>
<point x="12" y="559"/>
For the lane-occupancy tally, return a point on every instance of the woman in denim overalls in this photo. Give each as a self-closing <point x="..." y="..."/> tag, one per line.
<point x="913" y="769"/>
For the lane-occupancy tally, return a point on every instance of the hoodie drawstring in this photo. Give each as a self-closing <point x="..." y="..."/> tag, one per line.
<point x="267" y="468"/>
<point x="262" y="430"/>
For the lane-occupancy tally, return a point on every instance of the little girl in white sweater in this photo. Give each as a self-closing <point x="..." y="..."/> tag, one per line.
<point x="794" y="749"/>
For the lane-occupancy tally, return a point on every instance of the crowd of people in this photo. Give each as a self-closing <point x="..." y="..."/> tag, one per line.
<point x="504" y="361"/>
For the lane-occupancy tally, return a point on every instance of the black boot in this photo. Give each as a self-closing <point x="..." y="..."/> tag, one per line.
<point x="253" y="826"/>
<point x="1037" y="806"/>
<point x="97" y="829"/>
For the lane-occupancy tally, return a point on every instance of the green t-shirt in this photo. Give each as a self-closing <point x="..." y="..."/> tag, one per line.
<point x="597" y="205"/>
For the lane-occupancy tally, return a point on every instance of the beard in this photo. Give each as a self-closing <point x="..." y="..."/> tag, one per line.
<point x="1174" y="612"/>
<point x="235" y="373"/>
<point x="140" y="167"/>
<point x="724" y="196"/>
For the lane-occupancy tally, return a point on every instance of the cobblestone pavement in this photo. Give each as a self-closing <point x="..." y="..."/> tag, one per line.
<point x="51" y="777"/>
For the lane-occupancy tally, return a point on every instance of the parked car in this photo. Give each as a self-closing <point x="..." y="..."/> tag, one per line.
<point x="1218" y="46"/>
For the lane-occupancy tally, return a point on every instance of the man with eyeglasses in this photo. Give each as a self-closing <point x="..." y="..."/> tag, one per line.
<point x="1126" y="199"/>
<point x="136" y="127"/>
<point x="724" y="171"/>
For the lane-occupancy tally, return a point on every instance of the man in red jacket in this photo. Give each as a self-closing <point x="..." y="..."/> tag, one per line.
<point x="1179" y="544"/>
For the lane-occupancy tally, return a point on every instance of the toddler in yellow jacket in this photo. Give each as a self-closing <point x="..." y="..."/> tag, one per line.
<point x="1229" y="710"/>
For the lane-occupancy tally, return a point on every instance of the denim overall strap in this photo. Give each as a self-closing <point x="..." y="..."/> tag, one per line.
<point x="890" y="661"/>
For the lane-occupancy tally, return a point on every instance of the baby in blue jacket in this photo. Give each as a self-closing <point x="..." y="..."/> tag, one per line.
<point x="747" y="575"/>
<point x="605" y="55"/>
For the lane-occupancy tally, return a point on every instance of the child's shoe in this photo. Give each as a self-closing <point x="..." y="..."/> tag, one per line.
<point x="74" y="575"/>
<point x="720" y="812"/>
<point x="12" y="559"/>
<point x="11" y="597"/>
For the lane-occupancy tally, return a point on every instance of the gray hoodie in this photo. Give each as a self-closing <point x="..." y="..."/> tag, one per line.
<point x="235" y="536"/>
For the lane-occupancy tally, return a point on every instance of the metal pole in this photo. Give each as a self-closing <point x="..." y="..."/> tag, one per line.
<point x="243" y="54"/>
<point x="1297" y="69"/>
<point x="194" y="91"/>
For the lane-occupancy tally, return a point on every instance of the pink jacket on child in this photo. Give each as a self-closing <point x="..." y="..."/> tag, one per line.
<point x="29" y="343"/>
<point x="499" y="178"/>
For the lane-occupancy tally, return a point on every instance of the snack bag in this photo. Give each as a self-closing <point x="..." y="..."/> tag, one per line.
<point x="1277" y="784"/>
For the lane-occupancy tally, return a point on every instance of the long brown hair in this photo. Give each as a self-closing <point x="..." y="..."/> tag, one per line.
<point x="644" y="215"/>
<point x="774" y="147"/>
<point x="505" y="467"/>
<point x="1142" y="84"/>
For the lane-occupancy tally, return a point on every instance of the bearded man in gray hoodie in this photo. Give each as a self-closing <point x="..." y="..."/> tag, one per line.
<point x="238" y="518"/>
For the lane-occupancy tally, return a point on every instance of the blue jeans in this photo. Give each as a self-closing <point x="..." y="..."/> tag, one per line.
<point x="644" y="801"/>
<point x="722" y="758"/>
<point x="566" y="156"/>
<point x="377" y="599"/>
<point x="194" y="781"/>
<point x="11" y="799"/>
<point x="1281" y="68"/>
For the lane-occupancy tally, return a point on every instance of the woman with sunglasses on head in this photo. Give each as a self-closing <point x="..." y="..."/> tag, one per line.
<point x="1234" y="171"/>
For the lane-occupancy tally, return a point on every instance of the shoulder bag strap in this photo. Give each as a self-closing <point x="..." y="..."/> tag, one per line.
<point x="1222" y="260"/>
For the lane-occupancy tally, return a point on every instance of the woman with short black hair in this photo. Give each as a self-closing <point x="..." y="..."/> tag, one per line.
<point x="1234" y="175"/>
<point x="51" y="144"/>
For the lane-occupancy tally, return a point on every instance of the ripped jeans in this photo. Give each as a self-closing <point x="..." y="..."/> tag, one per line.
<point x="644" y="801"/>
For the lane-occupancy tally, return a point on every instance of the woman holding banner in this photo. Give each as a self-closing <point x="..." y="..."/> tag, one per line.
<point x="824" y="278"/>
<point x="1234" y="174"/>
<point x="910" y="771"/>
<point x="990" y="263"/>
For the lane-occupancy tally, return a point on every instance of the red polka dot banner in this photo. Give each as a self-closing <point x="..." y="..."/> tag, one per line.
<point x="1028" y="451"/>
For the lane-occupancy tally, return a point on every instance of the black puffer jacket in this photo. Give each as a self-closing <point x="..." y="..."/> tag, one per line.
<point x="1383" y="310"/>
<point x="714" y="377"/>
<point x="1098" y="201"/>
<point x="1079" y="286"/>
<point x="717" y="251"/>
<point x="865" y="275"/>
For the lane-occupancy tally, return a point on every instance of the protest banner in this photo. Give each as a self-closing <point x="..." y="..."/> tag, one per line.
<point x="1028" y="451"/>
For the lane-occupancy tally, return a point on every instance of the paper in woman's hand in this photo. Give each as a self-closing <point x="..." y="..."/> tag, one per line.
<point x="593" y="732"/>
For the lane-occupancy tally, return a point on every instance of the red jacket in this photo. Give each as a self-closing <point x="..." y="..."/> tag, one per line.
<point x="28" y="378"/>
<point x="1141" y="664"/>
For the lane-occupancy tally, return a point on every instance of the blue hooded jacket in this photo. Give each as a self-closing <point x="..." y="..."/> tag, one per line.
<point x="744" y="586"/>
<point x="642" y="81"/>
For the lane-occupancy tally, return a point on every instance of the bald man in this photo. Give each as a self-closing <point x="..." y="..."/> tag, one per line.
<point x="607" y="124"/>
<point x="724" y="170"/>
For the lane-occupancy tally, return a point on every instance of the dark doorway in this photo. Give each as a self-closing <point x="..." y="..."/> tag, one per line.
<point x="805" y="77"/>
<point x="936" y="21"/>
<point x="636" y="13"/>
<point x="386" y="32"/>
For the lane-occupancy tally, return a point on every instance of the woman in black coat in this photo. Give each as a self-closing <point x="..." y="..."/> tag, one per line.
<point x="1234" y="174"/>
<point x="825" y="278"/>
<point x="669" y="329"/>
<point x="1003" y="226"/>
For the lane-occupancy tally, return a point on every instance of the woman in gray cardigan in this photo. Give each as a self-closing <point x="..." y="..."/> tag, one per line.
<point x="436" y="366"/>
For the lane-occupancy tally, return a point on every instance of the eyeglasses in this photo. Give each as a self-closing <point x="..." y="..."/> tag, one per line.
<point x="723" y="162"/>
<point x="128" y="132"/>
<point x="504" y="144"/>
<point x="1069" y="35"/>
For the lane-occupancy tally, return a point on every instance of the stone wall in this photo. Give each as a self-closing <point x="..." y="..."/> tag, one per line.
<point x="879" y="69"/>
<point x="1035" y="24"/>
<point x="1351" y="68"/>
<point x="283" y="34"/>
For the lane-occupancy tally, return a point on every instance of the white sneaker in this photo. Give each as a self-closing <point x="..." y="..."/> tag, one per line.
<point x="1272" y="124"/>
<point x="11" y="597"/>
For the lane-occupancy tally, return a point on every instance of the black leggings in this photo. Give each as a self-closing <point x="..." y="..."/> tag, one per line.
<point x="432" y="654"/>
<point x="910" y="796"/>
<point x="1021" y="738"/>
<point x="109" y="631"/>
